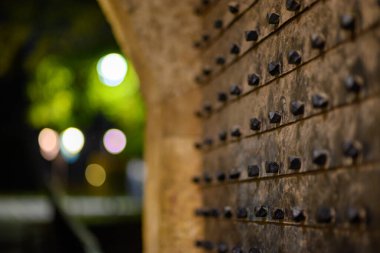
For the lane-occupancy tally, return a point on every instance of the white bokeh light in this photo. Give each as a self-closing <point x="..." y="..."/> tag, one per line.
<point x="112" y="69"/>
<point x="72" y="140"/>
<point x="114" y="141"/>
<point x="48" y="140"/>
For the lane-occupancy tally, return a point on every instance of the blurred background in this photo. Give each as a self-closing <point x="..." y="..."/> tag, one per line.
<point x="72" y="123"/>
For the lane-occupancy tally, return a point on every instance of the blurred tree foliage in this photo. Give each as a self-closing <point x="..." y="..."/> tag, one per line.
<point x="61" y="42"/>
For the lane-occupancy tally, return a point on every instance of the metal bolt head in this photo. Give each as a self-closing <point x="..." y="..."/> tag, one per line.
<point x="235" y="49"/>
<point x="233" y="7"/>
<point x="272" y="167"/>
<point x="235" y="132"/>
<point x="273" y="18"/>
<point x="222" y="97"/>
<point x="354" y="83"/>
<point x="218" y="24"/>
<point x="297" y="107"/>
<point x="352" y="149"/>
<point x="319" y="101"/>
<point x="222" y="248"/>
<point x="294" y="163"/>
<point x="325" y="215"/>
<point x="251" y="35"/>
<point x="298" y="215"/>
<point x="253" y="79"/>
<point x="241" y="213"/>
<point x="294" y="57"/>
<point x="293" y="5"/>
<point x="320" y="157"/>
<point x="220" y="60"/>
<point x="255" y="124"/>
<point x="253" y="170"/>
<point x="347" y="22"/>
<point x="317" y="41"/>
<point x="234" y="175"/>
<point x="274" y="117"/>
<point x="274" y="68"/>
<point x="278" y="214"/>
<point x="223" y="136"/>
<point x="220" y="176"/>
<point x="227" y="212"/>
<point x="235" y="90"/>
<point x="261" y="212"/>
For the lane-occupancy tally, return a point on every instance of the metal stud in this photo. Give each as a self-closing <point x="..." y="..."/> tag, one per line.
<point x="241" y="213"/>
<point x="317" y="41"/>
<point x="298" y="215"/>
<point x="294" y="163"/>
<point x="278" y="214"/>
<point x="354" y="83"/>
<point x="233" y="7"/>
<point x="227" y="212"/>
<point x="352" y="149"/>
<point x="253" y="170"/>
<point x="272" y="167"/>
<point x="235" y="132"/>
<point x="220" y="176"/>
<point x="253" y="79"/>
<point x="319" y="101"/>
<point x="293" y="5"/>
<point x="220" y="60"/>
<point x="235" y="49"/>
<point x="206" y="71"/>
<point x="297" y="107"/>
<point x="274" y="117"/>
<point x="251" y="35"/>
<point x="347" y="22"/>
<point x="255" y="124"/>
<point x="273" y="18"/>
<point x="234" y="175"/>
<point x="198" y="145"/>
<point x="223" y="136"/>
<point x="261" y="211"/>
<point x="320" y="157"/>
<point x="274" y="68"/>
<point x="325" y="215"/>
<point x="205" y="37"/>
<point x="196" y="179"/>
<point x="222" y="97"/>
<point x="294" y="57"/>
<point x="356" y="215"/>
<point x="222" y="248"/>
<point x="218" y="24"/>
<point x="235" y="90"/>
